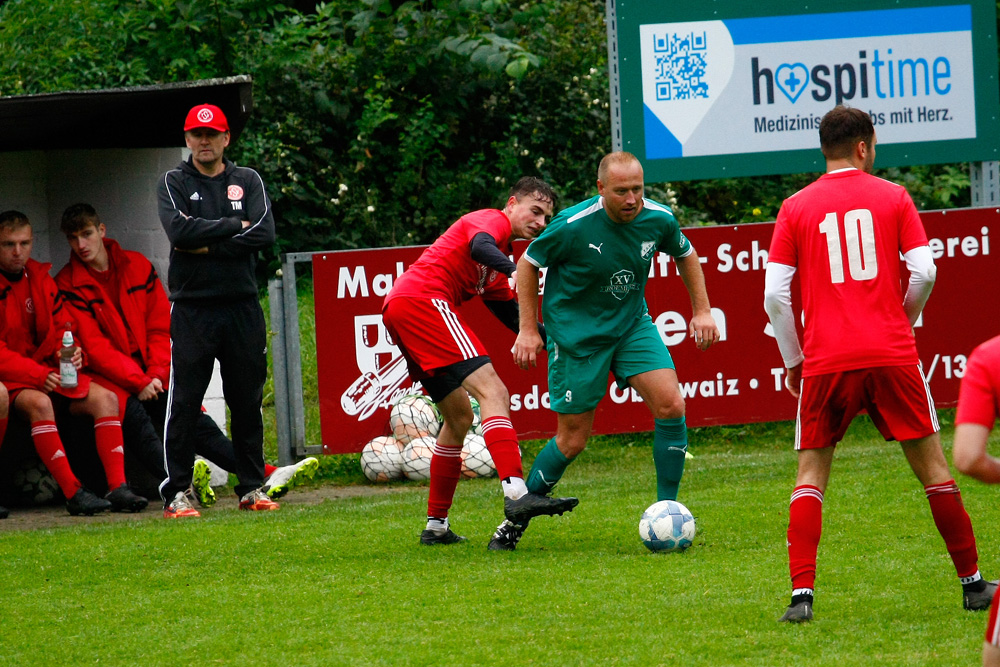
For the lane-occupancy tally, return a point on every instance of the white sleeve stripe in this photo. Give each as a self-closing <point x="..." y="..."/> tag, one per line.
<point x="264" y="214"/>
<point x="531" y="260"/>
<point x="170" y="193"/>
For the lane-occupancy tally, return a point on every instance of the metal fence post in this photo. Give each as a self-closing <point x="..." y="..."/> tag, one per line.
<point x="293" y="354"/>
<point x="279" y="372"/>
<point x="985" y="178"/>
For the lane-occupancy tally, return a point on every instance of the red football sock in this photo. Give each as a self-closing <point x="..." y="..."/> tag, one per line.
<point x="50" y="449"/>
<point x="805" y="524"/>
<point x="953" y="523"/>
<point x="446" y="468"/>
<point x="108" y="437"/>
<point x="501" y="440"/>
<point x="268" y="469"/>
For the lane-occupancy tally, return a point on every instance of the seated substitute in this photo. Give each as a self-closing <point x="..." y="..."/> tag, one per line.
<point x="124" y="315"/>
<point x="32" y="322"/>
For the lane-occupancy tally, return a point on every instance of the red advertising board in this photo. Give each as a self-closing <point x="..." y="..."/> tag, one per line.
<point x="361" y="373"/>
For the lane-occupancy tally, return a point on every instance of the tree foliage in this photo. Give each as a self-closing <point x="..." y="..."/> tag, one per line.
<point x="379" y="122"/>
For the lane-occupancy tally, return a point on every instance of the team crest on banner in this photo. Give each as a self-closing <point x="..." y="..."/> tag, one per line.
<point x="382" y="367"/>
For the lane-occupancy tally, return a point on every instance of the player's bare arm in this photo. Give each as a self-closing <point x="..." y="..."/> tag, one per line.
<point x="970" y="454"/>
<point x="529" y="344"/>
<point x="793" y="380"/>
<point x="703" y="327"/>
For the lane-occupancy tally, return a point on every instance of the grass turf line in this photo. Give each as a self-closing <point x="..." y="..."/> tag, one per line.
<point x="346" y="582"/>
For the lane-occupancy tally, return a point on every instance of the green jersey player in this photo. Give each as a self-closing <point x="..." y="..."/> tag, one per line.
<point x="598" y="255"/>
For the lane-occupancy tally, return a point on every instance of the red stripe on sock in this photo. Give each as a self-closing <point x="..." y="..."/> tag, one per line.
<point x="501" y="440"/>
<point x="805" y="525"/>
<point x="953" y="523"/>
<point x="446" y="468"/>
<point x="50" y="450"/>
<point x="110" y="448"/>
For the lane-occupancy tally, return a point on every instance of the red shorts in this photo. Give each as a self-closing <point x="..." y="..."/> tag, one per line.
<point x="81" y="390"/>
<point x="429" y="334"/>
<point x="992" y="627"/>
<point x="896" y="398"/>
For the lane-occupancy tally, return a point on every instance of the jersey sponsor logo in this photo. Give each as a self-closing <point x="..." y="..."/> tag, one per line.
<point x="596" y="247"/>
<point x="622" y="282"/>
<point x="195" y="197"/>
<point x="647" y="250"/>
<point x="234" y="192"/>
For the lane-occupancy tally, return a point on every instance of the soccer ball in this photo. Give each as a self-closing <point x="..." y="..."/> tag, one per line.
<point x="417" y="458"/>
<point x="382" y="459"/>
<point x="477" y="419"/>
<point x="414" y="416"/>
<point x="667" y="526"/>
<point x="476" y="459"/>
<point x="32" y="483"/>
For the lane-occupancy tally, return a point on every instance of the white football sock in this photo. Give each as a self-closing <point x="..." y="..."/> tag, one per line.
<point x="437" y="525"/>
<point x="514" y="488"/>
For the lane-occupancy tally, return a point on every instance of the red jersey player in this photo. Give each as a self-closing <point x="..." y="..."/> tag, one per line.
<point x="31" y="317"/>
<point x="978" y="408"/>
<point x="442" y="353"/>
<point x="844" y="234"/>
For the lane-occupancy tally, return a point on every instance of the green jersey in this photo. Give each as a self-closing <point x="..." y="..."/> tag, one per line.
<point x="597" y="271"/>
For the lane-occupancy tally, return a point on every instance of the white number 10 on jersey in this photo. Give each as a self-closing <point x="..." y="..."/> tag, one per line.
<point x="859" y="234"/>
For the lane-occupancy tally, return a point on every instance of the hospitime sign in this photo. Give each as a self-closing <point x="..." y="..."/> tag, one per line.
<point x="736" y="88"/>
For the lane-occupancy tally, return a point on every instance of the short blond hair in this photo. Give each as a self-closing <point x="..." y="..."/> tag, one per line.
<point x="13" y="220"/>
<point x="614" y="158"/>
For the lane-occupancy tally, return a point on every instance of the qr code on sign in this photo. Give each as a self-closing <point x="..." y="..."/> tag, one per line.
<point x="680" y="66"/>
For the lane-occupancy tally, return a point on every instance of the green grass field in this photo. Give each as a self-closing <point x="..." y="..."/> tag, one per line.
<point x="345" y="582"/>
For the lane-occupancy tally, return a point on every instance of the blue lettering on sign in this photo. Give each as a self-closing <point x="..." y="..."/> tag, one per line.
<point x="881" y="74"/>
<point x="887" y="77"/>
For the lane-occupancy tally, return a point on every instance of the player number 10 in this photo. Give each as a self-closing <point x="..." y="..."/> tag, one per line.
<point x="859" y="233"/>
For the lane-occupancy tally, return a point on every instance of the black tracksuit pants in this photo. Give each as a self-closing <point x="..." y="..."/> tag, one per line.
<point x="233" y="332"/>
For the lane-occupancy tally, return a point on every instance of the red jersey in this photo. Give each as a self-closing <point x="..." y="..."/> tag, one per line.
<point x="979" y="397"/>
<point x="446" y="270"/>
<point x="844" y="234"/>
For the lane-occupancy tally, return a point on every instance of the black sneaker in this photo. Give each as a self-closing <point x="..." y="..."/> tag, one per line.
<point x="4" y="512"/>
<point x="123" y="499"/>
<point x="798" y="613"/>
<point x="978" y="600"/>
<point x="430" y="538"/>
<point x="85" y="502"/>
<point x="534" y="504"/>
<point x="507" y="536"/>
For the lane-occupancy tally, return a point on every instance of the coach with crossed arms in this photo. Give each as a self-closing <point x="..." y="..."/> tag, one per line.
<point x="217" y="217"/>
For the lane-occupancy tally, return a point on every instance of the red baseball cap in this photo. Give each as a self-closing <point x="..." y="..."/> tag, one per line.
<point x="206" y="115"/>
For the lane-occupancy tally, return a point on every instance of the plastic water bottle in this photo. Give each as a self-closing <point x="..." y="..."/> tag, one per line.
<point x="67" y="371"/>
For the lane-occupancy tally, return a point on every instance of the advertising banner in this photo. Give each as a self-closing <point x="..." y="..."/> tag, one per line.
<point x="755" y="87"/>
<point x="361" y="372"/>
